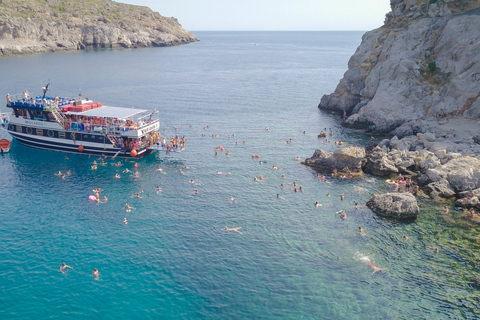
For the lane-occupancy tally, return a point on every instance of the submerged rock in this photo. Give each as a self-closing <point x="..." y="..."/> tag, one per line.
<point x="394" y="205"/>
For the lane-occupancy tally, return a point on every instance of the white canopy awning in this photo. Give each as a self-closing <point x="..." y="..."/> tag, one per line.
<point x="109" y="112"/>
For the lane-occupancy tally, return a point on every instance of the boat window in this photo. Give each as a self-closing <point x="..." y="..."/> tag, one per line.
<point x="61" y="135"/>
<point x="19" y="129"/>
<point x="50" y="133"/>
<point x="29" y="130"/>
<point x="39" y="132"/>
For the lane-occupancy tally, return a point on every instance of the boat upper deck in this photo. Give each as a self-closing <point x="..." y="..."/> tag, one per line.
<point x="109" y="112"/>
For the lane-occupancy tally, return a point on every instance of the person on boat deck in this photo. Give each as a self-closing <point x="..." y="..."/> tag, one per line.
<point x="9" y="100"/>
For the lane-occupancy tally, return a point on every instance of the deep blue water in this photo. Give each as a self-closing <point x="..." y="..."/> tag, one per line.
<point x="172" y="260"/>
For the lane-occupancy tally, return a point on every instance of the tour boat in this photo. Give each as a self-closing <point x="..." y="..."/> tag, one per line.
<point x="85" y="126"/>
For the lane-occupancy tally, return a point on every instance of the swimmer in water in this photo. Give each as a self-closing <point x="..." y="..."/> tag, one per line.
<point x="445" y="209"/>
<point x="94" y="167"/>
<point x="237" y="229"/>
<point x="59" y="173"/>
<point x="159" y="189"/>
<point x="280" y="197"/>
<point x="366" y="260"/>
<point x="95" y="273"/>
<point x="343" y="215"/>
<point x="69" y="172"/>
<point x="125" y="221"/>
<point x="105" y="199"/>
<point x="128" y="208"/>
<point x="318" y="204"/>
<point x="138" y="195"/>
<point x="233" y="199"/>
<point x="356" y="205"/>
<point x="117" y="176"/>
<point x="342" y="197"/>
<point x="434" y="250"/>
<point x="405" y="237"/>
<point x="361" y="230"/>
<point x="196" y="191"/>
<point x="126" y="170"/>
<point x="64" y="267"/>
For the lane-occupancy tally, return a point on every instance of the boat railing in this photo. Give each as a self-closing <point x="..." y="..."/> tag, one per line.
<point x="21" y="101"/>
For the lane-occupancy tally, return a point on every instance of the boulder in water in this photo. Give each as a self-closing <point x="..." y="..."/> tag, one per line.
<point x="401" y="206"/>
<point x="349" y="159"/>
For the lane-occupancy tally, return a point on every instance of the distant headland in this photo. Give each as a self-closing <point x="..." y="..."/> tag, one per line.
<point x="35" y="26"/>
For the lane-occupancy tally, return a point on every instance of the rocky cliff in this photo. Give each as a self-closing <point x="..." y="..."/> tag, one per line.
<point x="423" y="61"/>
<point x="32" y="26"/>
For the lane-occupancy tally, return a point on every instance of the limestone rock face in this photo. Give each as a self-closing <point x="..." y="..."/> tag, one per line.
<point x="423" y="60"/>
<point x="378" y="164"/>
<point x="342" y="159"/>
<point x="31" y="26"/>
<point x="401" y="206"/>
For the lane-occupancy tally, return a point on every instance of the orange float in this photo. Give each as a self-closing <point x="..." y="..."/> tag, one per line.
<point x="81" y="148"/>
<point x="133" y="153"/>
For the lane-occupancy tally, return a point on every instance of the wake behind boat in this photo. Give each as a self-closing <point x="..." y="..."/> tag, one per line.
<point x="85" y="126"/>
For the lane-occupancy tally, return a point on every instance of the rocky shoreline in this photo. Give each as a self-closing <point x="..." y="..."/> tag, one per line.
<point x="29" y="26"/>
<point x="416" y="79"/>
<point x="441" y="166"/>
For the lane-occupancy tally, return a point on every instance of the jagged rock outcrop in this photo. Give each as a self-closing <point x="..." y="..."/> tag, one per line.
<point x="32" y="26"/>
<point x="423" y="61"/>
<point x="401" y="206"/>
<point x="378" y="163"/>
<point x="349" y="159"/>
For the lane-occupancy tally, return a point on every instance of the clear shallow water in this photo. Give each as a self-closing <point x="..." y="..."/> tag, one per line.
<point x="173" y="260"/>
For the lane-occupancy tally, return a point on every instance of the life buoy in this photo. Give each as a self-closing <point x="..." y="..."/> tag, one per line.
<point x="88" y="128"/>
<point x="67" y="126"/>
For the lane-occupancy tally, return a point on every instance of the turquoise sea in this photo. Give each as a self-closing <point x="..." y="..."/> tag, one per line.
<point x="173" y="260"/>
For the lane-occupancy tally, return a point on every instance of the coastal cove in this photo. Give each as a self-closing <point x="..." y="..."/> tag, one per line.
<point x="173" y="260"/>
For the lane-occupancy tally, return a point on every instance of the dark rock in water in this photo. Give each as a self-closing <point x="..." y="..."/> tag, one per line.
<point x="349" y="159"/>
<point x="401" y="206"/>
<point x="378" y="164"/>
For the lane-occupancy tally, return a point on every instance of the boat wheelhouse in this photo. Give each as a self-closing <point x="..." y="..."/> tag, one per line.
<point x="85" y="126"/>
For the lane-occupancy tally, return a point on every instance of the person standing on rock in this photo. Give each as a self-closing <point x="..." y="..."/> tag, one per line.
<point x="408" y="182"/>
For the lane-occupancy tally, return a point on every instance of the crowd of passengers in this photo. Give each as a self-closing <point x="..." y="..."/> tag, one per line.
<point x="90" y="123"/>
<point x="150" y="140"/>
